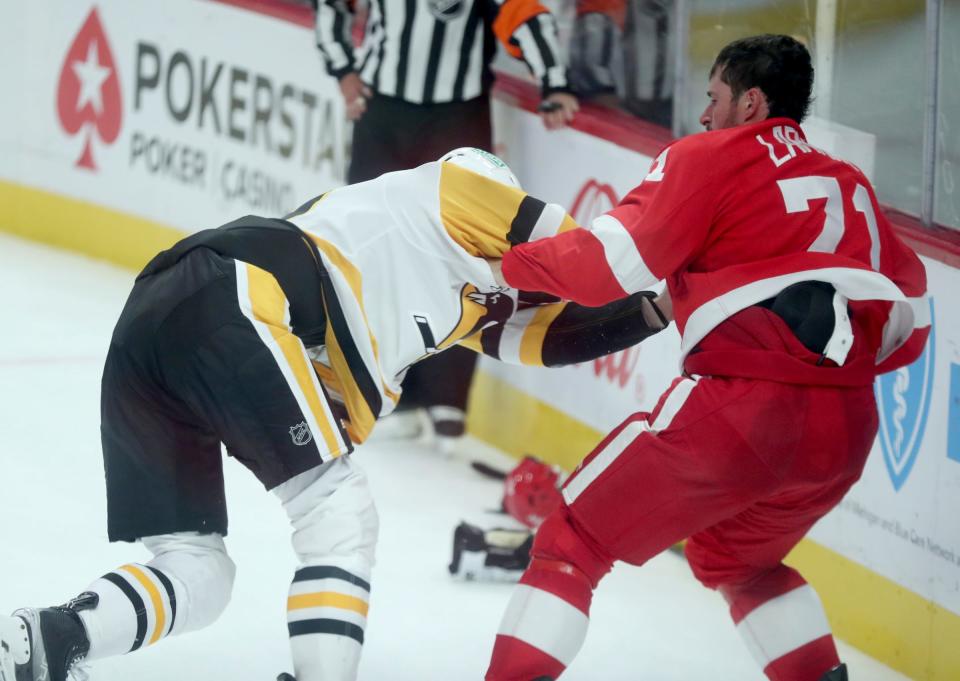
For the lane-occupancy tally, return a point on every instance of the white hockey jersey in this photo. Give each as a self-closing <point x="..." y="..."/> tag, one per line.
<point x="407" y="257"/>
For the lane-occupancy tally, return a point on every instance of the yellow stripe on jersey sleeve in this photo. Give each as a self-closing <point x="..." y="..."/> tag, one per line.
<point x="532" y="335"/>
<point x="477" y="211"/>
<point x="567" y="224"/>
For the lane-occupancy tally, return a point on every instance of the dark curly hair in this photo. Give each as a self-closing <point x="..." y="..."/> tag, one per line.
<point x="777" y="64"/>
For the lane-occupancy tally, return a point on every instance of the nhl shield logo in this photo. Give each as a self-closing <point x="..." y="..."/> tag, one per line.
<point x="300" y="434"/>
<point x="903" y="400"/>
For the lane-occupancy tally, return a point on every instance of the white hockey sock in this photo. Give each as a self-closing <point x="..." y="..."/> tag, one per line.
<point x="136" y="608"/>
<point x="545" y="622"/>
<point x="326" y="618"/>
<point x="185" y="587"/>
<point x="335" y="531"/>
<point x="789" y="632"/>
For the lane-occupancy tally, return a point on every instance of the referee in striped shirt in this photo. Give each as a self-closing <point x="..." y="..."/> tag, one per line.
<point x="420" y="86"/>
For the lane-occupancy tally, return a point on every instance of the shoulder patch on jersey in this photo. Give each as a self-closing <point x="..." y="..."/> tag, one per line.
<point x="658" y="167"/>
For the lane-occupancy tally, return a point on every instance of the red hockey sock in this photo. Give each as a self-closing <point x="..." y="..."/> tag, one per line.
<point x="545" y="623"/>
<point x="782" y="621"/>
<point x="809" y="662"/>
<point x="514" y="660"/>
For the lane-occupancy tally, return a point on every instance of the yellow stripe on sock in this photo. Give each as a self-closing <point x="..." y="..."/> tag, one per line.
<point x="154" y="593"/>
<point x="328" y="599"/>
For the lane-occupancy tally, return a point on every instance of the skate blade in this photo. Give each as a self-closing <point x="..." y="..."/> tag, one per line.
<point x="14" y="646"/>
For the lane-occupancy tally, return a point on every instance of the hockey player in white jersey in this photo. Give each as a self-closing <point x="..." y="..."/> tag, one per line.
<point x="285" y="340"/>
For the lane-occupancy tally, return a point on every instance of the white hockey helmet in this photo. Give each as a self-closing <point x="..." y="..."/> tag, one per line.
<point x="483" y="163"/>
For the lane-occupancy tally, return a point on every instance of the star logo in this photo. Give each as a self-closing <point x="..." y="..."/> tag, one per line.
<point x="92" y="76"/>
<point x="88" y="94"/>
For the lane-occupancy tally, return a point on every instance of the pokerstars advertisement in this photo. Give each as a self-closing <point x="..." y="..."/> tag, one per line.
<point x="188" y="113"/>
<point x="902" y="519"/>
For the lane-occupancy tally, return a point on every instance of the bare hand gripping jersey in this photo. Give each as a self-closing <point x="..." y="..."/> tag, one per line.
<point x="730" y="218"/>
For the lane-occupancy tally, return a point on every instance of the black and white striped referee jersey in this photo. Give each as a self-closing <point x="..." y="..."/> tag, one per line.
<point x="433" y="51"/>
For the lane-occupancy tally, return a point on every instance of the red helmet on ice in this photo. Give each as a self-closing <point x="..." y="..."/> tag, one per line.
<point x="531" y="493"/>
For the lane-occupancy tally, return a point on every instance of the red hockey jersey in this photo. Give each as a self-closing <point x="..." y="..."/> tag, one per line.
<point x="732" y="217"/>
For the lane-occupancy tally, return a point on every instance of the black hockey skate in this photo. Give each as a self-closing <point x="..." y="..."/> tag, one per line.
<point x="836" y="674"/>
<point x="45" y="644"/>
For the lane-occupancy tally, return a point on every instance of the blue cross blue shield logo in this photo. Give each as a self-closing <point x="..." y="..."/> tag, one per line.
<point x="903" y="399"/>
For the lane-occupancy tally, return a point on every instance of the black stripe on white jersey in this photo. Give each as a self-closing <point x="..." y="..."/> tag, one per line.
<point x="332" y="34"/>
<point x="433" y="52"/>
<point x="377" y="44"/>
<point x="433" y="61"/>
<point x="471" y="35"/>
<point x="528" y="212"/>
<point x="409" y="17"/>
<point x="538" y="41"/>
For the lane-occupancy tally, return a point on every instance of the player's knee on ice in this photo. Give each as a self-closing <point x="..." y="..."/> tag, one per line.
<point x="199" y="562"/>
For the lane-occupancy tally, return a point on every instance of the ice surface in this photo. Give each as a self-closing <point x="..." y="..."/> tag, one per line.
<point x="648" y="624"/>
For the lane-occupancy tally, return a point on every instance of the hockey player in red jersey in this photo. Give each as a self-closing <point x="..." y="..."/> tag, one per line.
<point x="791" y="292"/>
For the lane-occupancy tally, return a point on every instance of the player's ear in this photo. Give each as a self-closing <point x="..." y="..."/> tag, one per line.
<point x="754" y="104"/>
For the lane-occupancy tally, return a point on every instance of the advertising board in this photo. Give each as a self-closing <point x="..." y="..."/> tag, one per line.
<point x="183" y="112"/>
<point x="187" y="114"/>
<point x="902" y="519"/>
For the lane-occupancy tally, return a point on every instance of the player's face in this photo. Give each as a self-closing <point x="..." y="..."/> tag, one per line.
<point x="723" y="110"/>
